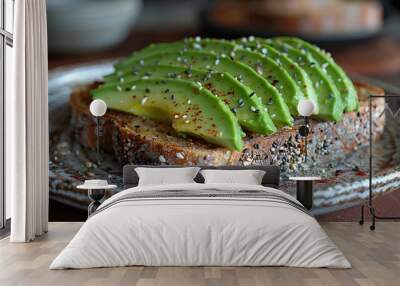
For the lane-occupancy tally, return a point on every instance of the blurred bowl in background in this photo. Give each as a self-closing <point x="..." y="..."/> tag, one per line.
<point x="82" y="26"/>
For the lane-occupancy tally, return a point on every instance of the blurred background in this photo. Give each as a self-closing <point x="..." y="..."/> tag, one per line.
<point x="363" y="35"/>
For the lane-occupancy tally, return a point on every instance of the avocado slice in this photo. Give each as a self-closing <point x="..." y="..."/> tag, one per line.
<point x="273" y="73"/>
<point x="188" y="106"/>
<point x="205" y="61"/>
<point x="293" y="69"/>
<point x="192" y="44"/>
<point x="330" y="103"/>
<point x="266" y="67"/>
<point x="342" y="81"/>
<point x="233" y="93"/>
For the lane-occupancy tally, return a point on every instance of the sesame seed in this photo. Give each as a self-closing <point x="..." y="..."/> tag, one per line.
<point x="143" y="101"/>
<point x="119" y="88"/>
<point x="133" y="87"/>
<point x="161" y="158"/>
<point x="256" y="110"/>
<point x="187" y="121"/>
<point x="196" y="46"/>
<point x="121" y="79"/>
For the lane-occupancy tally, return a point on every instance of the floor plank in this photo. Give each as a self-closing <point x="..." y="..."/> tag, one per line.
<point x="375" y="257"/>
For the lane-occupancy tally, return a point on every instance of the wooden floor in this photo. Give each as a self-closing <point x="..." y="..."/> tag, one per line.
<point x="375" y="257"/>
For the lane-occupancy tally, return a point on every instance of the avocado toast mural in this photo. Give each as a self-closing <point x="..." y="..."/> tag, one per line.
<point x="218" y="102"/>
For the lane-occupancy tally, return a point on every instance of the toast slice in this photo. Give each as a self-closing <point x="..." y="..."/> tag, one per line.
<point x="136" y="140"/>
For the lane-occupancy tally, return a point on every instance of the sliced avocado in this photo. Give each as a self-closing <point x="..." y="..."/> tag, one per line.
<point x="236" y="95"/>
<point x="275" y="74"/>
<point x="190" y="108"/>
<point x="298" y="74"/>
<point x="266" y="67"/>
<point x="150" y="50"/>
<point x="329" y="100"/>
<point x="339" y="77"/>
<point x="206" y="61"/>
<point x="192" y="44"/>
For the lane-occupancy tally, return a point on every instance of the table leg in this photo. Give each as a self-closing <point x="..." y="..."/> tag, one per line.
<point x="95" y="197"/>
<point x="304" y="193"/>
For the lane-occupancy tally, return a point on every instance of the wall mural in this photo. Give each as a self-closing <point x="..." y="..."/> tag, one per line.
<point x="250" y="78"/>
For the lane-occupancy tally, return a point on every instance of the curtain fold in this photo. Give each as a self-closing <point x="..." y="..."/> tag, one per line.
<point x="27" y="124"/>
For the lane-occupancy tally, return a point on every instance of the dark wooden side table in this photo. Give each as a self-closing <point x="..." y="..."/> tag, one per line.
<point x="96" y="192"/>
<point x="304" y="190"/>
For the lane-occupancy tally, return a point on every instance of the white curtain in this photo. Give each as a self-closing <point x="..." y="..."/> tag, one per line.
<point x="27" y="124"/>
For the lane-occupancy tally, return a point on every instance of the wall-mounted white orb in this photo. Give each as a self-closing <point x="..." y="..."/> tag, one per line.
<point x="306" y="107"/>
<point x="98" y="107"/>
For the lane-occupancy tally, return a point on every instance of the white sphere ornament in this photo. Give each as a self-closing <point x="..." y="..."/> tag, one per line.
<point x="306" y="107"/>
<point x="98" y="107"/>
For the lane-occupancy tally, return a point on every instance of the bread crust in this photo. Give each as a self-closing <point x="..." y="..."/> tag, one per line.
<point x="136" y="140"/>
